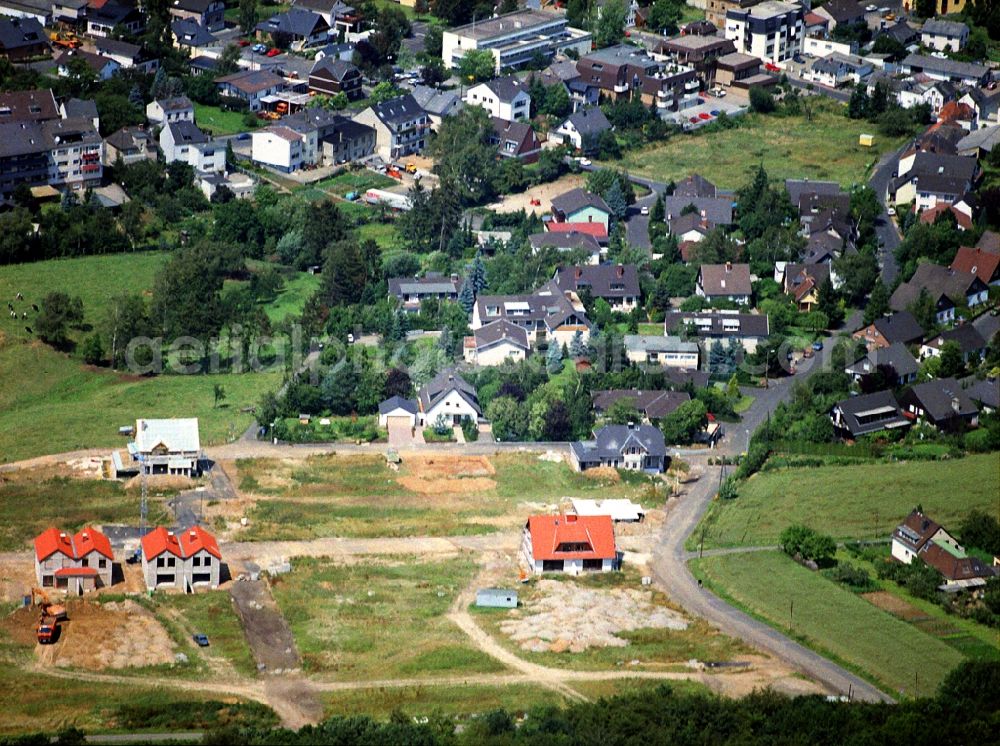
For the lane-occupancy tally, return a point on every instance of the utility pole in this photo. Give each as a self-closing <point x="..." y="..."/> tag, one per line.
<point x="791" y="607"/>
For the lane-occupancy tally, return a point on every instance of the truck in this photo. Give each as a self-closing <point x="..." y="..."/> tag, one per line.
<point x="50" y="614"/>
<point x="46" y="630"/>
<point x="391" y="199"/>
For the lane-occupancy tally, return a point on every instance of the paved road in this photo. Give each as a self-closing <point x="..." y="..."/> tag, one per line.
<point x="193" y="736"/>
<point x="885" y="227"/>
<point x="670" y="568"/>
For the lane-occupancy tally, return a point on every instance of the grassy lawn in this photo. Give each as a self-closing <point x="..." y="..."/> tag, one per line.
<point x="210" y="614"/>
<point x="744" y="403"/>
<point x="342" y="616"/>
<point x="293" y="296"/>
<point x="96" y="279"/>
<point x="30" y="504"/>
<point x="359" y="496"/>
<point x="424" y="701"/>
<point x="862" y="501"/>
<point x="355" y="181"/>
<point x="50" y="403"/>
<point x="785" y="145"/>
<point x="386" y="235"/>
<point x="895" y="655"/>
<point x="219" y="122"/>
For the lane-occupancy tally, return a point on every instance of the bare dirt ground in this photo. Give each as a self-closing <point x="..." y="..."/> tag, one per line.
<point x="895" y="606"/>
<point x="543" y="193"/>
<point x="267" y="631"/>
<point x="434" y="475"/>
<point x="568" y="617"/>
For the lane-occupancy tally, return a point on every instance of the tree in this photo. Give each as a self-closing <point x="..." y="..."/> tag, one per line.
<point x="616" y="200"/>
<point x="126" y="319"/>
<point x="93" y="350"/>
<point x="187" y="293"/>
<point x="578" y="13"/>
<point x="681" y="426"/>
<point x="658" y="213"/>
<point x="762" y="100"/>
<point x="466" y="297"/>
<point x="828" y="303"/>
<point x="476" y="66"/>
<point x="553" y="358"/>
<point x="558" y="426"/>
<point x="857" y="107"/>
<point x="218" y="394"/>
<point x="576" y="346"/>
<point x="344" y="274"/>
<point x="384" y="91"/>
<point x="477" y="275"/>
<point x="951" y="363"/>
<point x="924" y="310"/>
<point x="622" y="412"/>
<point x="601" y="180"/>
<point x="925" y="8"/>
<point x="247" y="15"/>
<point x="397" y="383"/>
<point x="981" y="531"/>
<point x="557" y="102"/>
<point x="610" y="25"/>
<point x="58" y="312"/>
<point x="664" y="17"/>
<point x="508" y="418"/>
<point x="878" y="302"/>
<point x="228" y="60"/>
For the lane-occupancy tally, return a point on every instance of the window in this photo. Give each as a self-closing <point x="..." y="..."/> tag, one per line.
<point x="196" y="562"/>
<point x="103" y="563"/>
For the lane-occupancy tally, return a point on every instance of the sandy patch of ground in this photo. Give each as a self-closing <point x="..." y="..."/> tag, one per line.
<point x="433" y="475"/>
<point x="161" y="482"/>
<point x="543" y="193"/>
<point x="571" y="618"/>
<point x="603" y="474"/>
<point x="88" y="467"/>
<point x="895" y="606"/>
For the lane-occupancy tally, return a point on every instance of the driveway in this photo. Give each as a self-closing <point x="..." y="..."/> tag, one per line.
<point x="402" y="434"/>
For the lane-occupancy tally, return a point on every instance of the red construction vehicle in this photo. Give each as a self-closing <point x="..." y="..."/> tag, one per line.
<point x="51" y="614"/>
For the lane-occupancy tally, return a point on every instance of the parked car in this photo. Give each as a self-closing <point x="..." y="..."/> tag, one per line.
<point x="644" y="210"/>
<point x="273" y="52"/>
<point x="243" y="136"/>
<point x="134" y="557"/>
<point x="585" y="161"/>
<point x="817" y="345"/>
<point x="200" y="640"/>
<point x="350" y="339"/>
<point x="258" y="48"/>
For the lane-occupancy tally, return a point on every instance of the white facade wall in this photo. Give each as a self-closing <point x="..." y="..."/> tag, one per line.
<point x="275" y="151"/>
<point x="497" y="354"/>
<point x="453" y="407"/>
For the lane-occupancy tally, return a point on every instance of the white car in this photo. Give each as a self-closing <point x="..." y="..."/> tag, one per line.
<point x="644" y="210"/>
<point x="585" y="161"/>
<point x="871" y="8"/>
<point x="350" y="339"/>
<point x="890" y="210"/>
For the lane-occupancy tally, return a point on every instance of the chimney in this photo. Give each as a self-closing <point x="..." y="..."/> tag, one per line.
<point x="955" y="404"/>
<point x="579" y="272"/>
<point x="570" y="517"/>
<point x="192" y="535"/>
<point x="620" y="270"/>
<point x="729" y="266"/>
<point x="62" y="534"/>
<point x="170" y="533"/>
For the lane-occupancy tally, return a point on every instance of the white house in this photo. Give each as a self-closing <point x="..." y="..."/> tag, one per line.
<point x="504" y="98"/>
<point x="495" y="343"/>
<point x="582" y="128"/>
<point x="569" y="543"/>
<point x="183" y="561"/>
<point x="166" y="110"/>
<point x="448" y="395"/>
<point x="668" y="351"/>
<point x="183" y="141"/>
<point x="944" y="36"/>
<point x="396" y="409"/>
<point x="724" y="281"/>
<point x="166" y="447"/>
<point x="75" y="562"/>
<point x="278" y="147"/>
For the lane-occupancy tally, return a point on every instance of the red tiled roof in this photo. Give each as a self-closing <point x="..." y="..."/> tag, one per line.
<point x="931" y="214"/>
<point x="182" y="545"/>
<point x="549" y="532"/>
<point x="953" y="111"/>
<point x="597" y="229"/>
<point x="983" y="264"/>
<point x="76" y="572"/>
<point x="78" y="545"/>
<point x="814" y="19"/>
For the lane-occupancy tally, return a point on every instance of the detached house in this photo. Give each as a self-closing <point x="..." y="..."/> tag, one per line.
<point x="569" y="543"/>
<point x="401" y="127"/>
<point x="580" y="206"/>
<point x="618" y="285"/>
<point x="943" y="403"/>
<point x="668" y="351"/>
<point x="582" y="129"/>
<point x="164" y="446"/>
<point x="944" y="36"/>
<point x="410" y="291"/>
<point x="652" y="405"/>
<point x="496" y="343"/>
<point x="970" y="342"/>
<point x="22" y="39"/>
<point x="983" y="264"/>
<point x="748" y="329"/>
<point x="918" y="537"/>
<point x="895" y="358"/>
<point x="802" y="283"/>
<point x="515" y="140"/>
<point x="184" y="560"/>
<point x="901" y="328"/>
<point x="868" y="413"/>
<point x="504" y="98"/>
<point x="297" y="27"/>
<point x="450" y="396"/>
<point x="331" y="76"/>
<point x="131" y="144"/>
<point x="167" y="110"/>
<point x="547" y="314"/>
<point x="183" y="141"/>
<point x="629" y="447"/>
<point x="946" y="287"/>
<point x="250" y="86"/>
<point x="724" y="281"/>
<point x="75" y="562"/>
<point x="206" y="13"/>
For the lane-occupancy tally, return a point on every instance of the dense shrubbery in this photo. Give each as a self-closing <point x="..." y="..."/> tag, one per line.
<point x="807" y="544"/>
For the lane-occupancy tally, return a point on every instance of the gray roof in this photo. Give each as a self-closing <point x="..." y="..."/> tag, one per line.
<point x="28" y="106"/>
<point x="589" y="121"/>
<point x="578" y="199"/>
<point x="130" y="138"/>
<point x="193" y="6"/>
<point x="718" y="210"/>
<point x="548" y="305"/>
<point x="397" y="110"/>
<point x="939" y="282"/>
<point x="986" y="392"/>
<point x="252" y="81"/>
<point x="985" y="138"/>
<point x="296" y="22"/>
<point x="507" y="89"/>
<point x="27" y="138"/>
<point x="333" y="68"/>
<point x="442" y="384"/>
<point x="603" y="280"/>
<point x="901" y="32"/>
<point x="177" y="103"/>
<point x="943" y="399"/>
<point x="501" y="330"/>
<point x="186" y="132"/>
<point x="654" y="405"/>
<point x="967" y="336"/>
<point x="696" y="185"/>
<point x="397" y="402"/>
<point x="564" y="70"/>
<point x="658" y="343"/>
<point x="797" y="187"/>
<point x="870" y="413"/>
<point x="20" y="32"/>
<point x="843" y="11"/>
<point x="896" y="356"/>
<point x="188" y="31"/>
<point x="115" y="46"/>
<point x="565" y="241"/>
<point x="79" y="107"/>
<point x="714" y="324"/>
<point x="610" y="441"/>
<point x="945" y="66"/>
<point x="938" y="27"/>
<point x="435" y="101"/>
<point x="900" y="327"/>
<point x="432" y="285"/>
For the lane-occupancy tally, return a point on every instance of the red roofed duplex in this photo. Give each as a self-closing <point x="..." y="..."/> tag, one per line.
<point x="76" y="562"/>
<point x="183" y="545"/>
<point x="182" y="560"/>
<point x="570" y="543"/>
<point x="595" y="229"/>
<point x="74" y="546"/>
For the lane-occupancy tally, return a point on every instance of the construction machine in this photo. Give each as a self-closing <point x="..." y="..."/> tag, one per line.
<point x="65" y="40"/>
<point x="50" y="615"/>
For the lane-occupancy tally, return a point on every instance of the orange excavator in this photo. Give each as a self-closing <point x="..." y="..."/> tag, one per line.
<point x="65" y="40"/>
<point x="51" y="614"/>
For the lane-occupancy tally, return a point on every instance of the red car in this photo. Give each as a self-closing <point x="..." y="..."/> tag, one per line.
<point x="704" y="115"/>
<point x="244" y="42"/>
<point x="273" y="52"/>
<point x="695" y="120"/>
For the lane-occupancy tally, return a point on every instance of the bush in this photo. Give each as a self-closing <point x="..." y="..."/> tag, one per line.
<point x="470" y="429"/>
<point x="802" y="541"/>
<point x="855" y="578"/>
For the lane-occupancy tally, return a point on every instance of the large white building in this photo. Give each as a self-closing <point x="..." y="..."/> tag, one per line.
<point x="771" y="31"/>
<point x="183" y="141"/>
<point x="278" y="147"/>
<point x="514" y="38"/>
<point x="504" y="98"/>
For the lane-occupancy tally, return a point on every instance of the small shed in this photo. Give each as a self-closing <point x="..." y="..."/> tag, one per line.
<point x="496" y="598"/>
<point x="866" y="141"/>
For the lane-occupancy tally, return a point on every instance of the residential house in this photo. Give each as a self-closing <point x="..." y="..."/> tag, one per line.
<point x="505" y="98"/>
<point x="569" y="543"/>
<point x="62" y="153"/>
<point x="240" y="184"/>
<point x="803" y="281"/>
<point x="822" y="46"/>
<point x="192" y="36"/>
<point x="696" y="186"/>
<point x="569" y="241"/>
<point x="651" y="405"/>
<point x="868" y="413"/>
<point x="28" y="106"/>
<point x="938" y="68"/>
<point x="112" y="18"/>
<point x="899" y="327"/>
<point x="698" y="51"/>
<point x="168" y="110"/>
<point x="104" y="68"/>
<point x="941" y="402"/>
<point x="183" y="141"/>
<point x="631" y="447"/>
<point x="22" y="38"/>
<point x="496" y="343"/>
<point x="963" y="220"/>
<point x="771" y="31"/>
<point x="985" y="102"/>
<point x="947" y="288"/>
<point x="984" y="393"/>
<point x="902" y="32"/>
<point x="841" y="13"/>
<point x="621" y="71"/>
<point x="515" y="140"/>
<point x="838" y="69"/>
<point x="737" y="69"/>
<point x="447" y="396"/>
<point x="580" y="206"/>
<point x="169" y="446"/>
<point x="397" y="410"/>
<point x="331" y="76"/>
<point x="595" y="229"/>
<point x="666" y="351"/>
<point x="296" y="28"/>
<point x="944" y="36"/>
<point x="894" y="360"/>
<point x="250" y="86"/>
<point x="713" y="211"/>
<point x="73" y="13"/>
<point x="209" y="14"/>
<point x="412" y="291"/>
<point x="401" y="127"/>
<point x="131" y="144"/>
<point x="989" y="241"/>
<point x="278" y="147"/>
<point x="343" y="18"/>
<point x="970" y="342"/>
<point x="748" y="329"/>
<point x="75" y="563"/>
<point x="546" y="314"/>
<point x="514" y="39"/>
<point x="582" y="129"/>
<point x="341" y="51"/>
<point x="326" y="138"/>
<point x="983" y="264"/>
<point x="918" y="537"/>
<point x="715" y="10"/>
<point x="437" y="104"/>
<point x="933" y="178"/>
<point x="81" y="108"/>
<point x="724" y="282"/>
<point x="618" y="285"/>
<point x="127" y="55"/>
<point x="183" y="560"/>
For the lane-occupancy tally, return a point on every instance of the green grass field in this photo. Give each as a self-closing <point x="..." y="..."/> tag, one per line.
<point x="218" y="122"/>
<point x="293" y="296"/>
<point x="425" y="701"/>
<point x="96" y="279"/>
<point x="862" y="501"/>
<point x="787" y="146"/>
<point x="894" y="654"/>
<point x="211" y="614"/>
<point x="50" y="403"/>
<point x="369" y="621"/>
<point x="386" y="235"/>
<point x="355" y="181"/>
